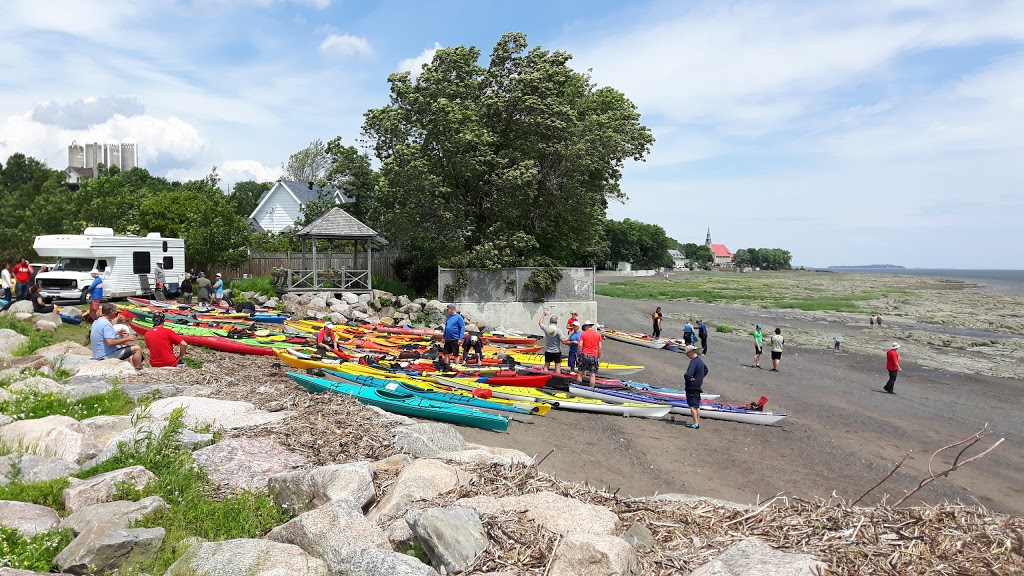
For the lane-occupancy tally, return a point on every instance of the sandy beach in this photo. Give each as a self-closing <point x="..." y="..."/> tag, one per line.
<point x="962" y="369"/>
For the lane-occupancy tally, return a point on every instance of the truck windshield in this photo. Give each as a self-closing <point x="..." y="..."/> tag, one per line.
<point x="74" y="264"/>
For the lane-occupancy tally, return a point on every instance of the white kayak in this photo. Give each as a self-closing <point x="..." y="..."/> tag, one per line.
<point x="635" y="338"/>
<point x="710" y="410"/>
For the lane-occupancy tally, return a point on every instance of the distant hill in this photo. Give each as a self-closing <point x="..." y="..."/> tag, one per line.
<point x="866" y="266"/>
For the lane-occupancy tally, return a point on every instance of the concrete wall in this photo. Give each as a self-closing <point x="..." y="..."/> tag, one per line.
<point x="523" y="316"/>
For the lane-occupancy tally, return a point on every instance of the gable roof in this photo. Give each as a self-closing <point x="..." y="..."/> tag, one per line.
<point x="721" y="251"/>
<point x="675" y="253"/>
<point x="82" y="172"/>
<point x="337" y="224"/>
<point x="302" y="193"/>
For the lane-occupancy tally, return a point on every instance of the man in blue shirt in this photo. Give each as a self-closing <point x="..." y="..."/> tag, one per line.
<point x="694" y="379"/>
<point x="454" y="330"/>
<point x="95" y="295"/>
<point x="105" y="341"/>
<point x="574" y="345"/>
<point x="702" y="333"/>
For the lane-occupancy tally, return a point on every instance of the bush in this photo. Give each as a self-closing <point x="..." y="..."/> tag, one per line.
<point x="48" y="493"/>
<point x="260" y="285"/>
<point x="34" y="553"/>
<point x="723" y="329"/>
<point x="34" y="404"/>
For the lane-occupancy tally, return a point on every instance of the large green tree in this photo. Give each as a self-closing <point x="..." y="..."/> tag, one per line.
<point x="763" y="258"/>
<point x="29" y="202"/>
<point x="524" y="145"/>
<point x="245" y="196"/>
<point x="644" y="245"/>
<point x="349" y="170"/>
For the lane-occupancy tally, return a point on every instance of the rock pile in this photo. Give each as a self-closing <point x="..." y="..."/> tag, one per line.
<point x="378" y="307"/>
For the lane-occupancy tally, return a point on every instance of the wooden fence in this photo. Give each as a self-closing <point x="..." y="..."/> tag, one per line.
<point x="261" y="263"/>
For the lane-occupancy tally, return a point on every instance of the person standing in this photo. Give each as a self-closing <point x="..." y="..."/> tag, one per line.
<point x="871" y="319"/>
<point x="160" y="280"/>
<point x="22" y="275"/>
<point x="758" y="346"/>
<point x="552" y="342"/>
<point x="5" y="282"/>
<point x="161" y="342"/>
<point x="105" y="341"/>
<point x="837" y="342"/>
<point x="694" y="380"/>
<point x="454" y="330"/>
<point x="574" y="346"/>
<point x="573" y="317"/>
<point x="203" y="288"/>
<point x="186" y="287"/>
<point x="688" y="338"/>
<point x="656" y="320"/>
<point x="218" y="290"/>
<point x="892" y="364"/>
<point x="702" y="333"/>
<point x="776" y="341"/>
<point x="590" y="347"/>
<point x="878" y="320"/>
<point x="95" y="295"/>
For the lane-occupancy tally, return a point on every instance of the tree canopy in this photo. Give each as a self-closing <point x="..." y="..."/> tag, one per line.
<point x="644" y="245"/>
<point x="524" y="152"/>
<point x="763" y="258"/>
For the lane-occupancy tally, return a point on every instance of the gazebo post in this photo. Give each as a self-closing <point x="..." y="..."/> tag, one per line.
<point x="369" y="265"/>
<point x="316" y="282"/>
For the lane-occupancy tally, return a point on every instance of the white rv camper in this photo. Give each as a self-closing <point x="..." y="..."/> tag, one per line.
<point x="123" y="262"/>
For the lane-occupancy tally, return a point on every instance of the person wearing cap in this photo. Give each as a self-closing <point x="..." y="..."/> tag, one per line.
<point x="892" y="364"/>
<point x="104" y="340"/>
<point x="693" y="382"/>
<point x="326" y="339"/>
<point x="574" y="345"/>
<point x="454" y="331"/>
<point x="218" y="290"/>
<point x="590" y="348"/>
<point x="553" y="341"/>
<point x="573" y="317"/>
<point x="159" y="281"/>
<point x="758" y="346"/>
<point x="161" y="342"/>
<point x="203" y="287"/>
<point x="95" y="295"/>
<point x="777" y="341"/>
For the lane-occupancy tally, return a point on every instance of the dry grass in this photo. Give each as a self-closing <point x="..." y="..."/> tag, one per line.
<point x="948" y="539"/>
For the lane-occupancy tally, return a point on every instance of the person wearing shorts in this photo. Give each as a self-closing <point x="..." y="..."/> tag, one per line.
<point x="590" y="349"/>
<point x="104" y="340"/>
<point x="553" y="341"/>
<point x="776" y="342"/>
<point x="758" y="346"/>
<point x="694" y="380"/>
<point x="454" y="331"/>
<point x="574" y="346"/>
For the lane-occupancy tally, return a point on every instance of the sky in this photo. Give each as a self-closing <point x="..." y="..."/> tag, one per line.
<point x="845" y="132"/>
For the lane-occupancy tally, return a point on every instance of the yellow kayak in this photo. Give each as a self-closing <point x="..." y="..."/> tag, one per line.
<point x="605" y="368"/>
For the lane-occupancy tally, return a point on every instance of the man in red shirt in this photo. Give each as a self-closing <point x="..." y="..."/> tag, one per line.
<point x="161" y="341"/>
<point x="23" y="274"/>
<point x="892" y="364"/>
<point x="590" y="352"/>
<point x="326" y="339"/>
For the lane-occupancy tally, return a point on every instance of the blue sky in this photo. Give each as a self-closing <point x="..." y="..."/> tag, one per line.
<point x="847" y="133"/>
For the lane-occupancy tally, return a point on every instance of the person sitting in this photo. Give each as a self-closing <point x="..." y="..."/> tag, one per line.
<point x="326" y="339"/>
<point x="40" y="304"/>
<point x="161" y="341"/>
<point x="104" y="339"/>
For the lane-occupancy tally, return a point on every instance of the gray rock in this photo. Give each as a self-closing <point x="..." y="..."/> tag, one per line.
<point x="50" y="317"/>
<point x="332" y="532"/>
<point x="424" y="479"/>
<point x="246" y="463"/>
<point x="358" y="315"/>
<point x="403" y="300"/>
<point x="338" y="318"/>
<point x="372" y="320"/>
<point x="332" y="302"/>
<point x="162" y="390"/>
<point x="56" y="436"/>
<point x="434" y="305"/>
<point x="552" y="511"/>
<point x="304" y="490"/>
<point x="271" y="303"/>
<point x="246" y="557"/>
<point x="341" y="308"/>
<point x="428" y="439"/>
<point x="364" y="299"/>
<point x="16" y="572"/>
<point x="20" y="306"/>
<point x="399" y="534"/>
<point x="387" y="311"/>
<point x="589" y="554"/>
<point x="71" y="312"/>
<point x="108" y="370"/>
<point x="102" y="487"/>
<point x="118" y="514"/>
<point x="32" y="468"/>
<point x="350" y="298"/>
<point x="752" y="557"/>
<point x="29" y="519"/>
<point x="319" y="303"/>
<point x="46" y="326"/>
<point x="104" y="548"/>
<point x="15" y="364"/>
<point x="23" y="316"/>
<point x="639" y="537"/>
<point x="411" y="308"/>
<point x="10" y="340"/>
<point x="391" y="464"/>
<point x="477" y="454"/>
<point x="103" y="428"/>
<point x="451" y="537"/>
<point x="202" y="412"/>
<point x="4" y="418"/>
<point x="374" y="562"/>
<point x="80" y="388"/>
<point x="66" y="348"/>
<point x="36" y="384"/>
<point x="141" y="435"/>
<point x="378" y="294"/>
<point x="421" y="301"/>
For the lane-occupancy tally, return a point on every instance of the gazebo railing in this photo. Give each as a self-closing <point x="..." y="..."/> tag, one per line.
<point x="292" y="279"/>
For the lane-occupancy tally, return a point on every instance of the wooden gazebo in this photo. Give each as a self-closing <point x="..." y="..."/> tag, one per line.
<point x="330" y="271"/>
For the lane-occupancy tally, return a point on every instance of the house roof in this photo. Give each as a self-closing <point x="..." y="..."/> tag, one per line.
<point x="302" y="193"/>
<point x="721" y="251"/>
<point x="336" y="224"/>
<point x="675" y="253"/>
<point x="82" y="172"/>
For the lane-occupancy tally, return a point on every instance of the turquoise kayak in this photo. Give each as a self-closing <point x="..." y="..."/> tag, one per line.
<point x="404" y="403"/>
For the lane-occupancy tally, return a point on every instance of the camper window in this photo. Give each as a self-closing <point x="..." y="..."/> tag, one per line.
<point x="101" y="265"/>
<point x="168" y="262"/>
<point x="140" y="263"/>
<point x="165" y="245"/>
<point x="74" y="264"/>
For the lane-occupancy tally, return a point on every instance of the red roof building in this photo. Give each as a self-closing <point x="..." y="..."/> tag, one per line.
<point x="723" y="257"/>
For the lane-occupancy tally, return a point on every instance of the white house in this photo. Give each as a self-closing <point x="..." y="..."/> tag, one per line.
<point x="678" y="260"/>
<point x="281" y="206"/>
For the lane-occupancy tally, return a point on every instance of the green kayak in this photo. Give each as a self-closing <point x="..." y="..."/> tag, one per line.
<point x="405" y="404"/>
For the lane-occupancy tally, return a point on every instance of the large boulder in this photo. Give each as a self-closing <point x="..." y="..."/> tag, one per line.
<point x="65" y="348"/>
<point x="201" y="412"/>
<point x="246" y="463"/>
<point x="411" y="308"/>
<point x="102" y="488"/>
<point x="304" y="490"/>
<point x="589" y="554"/>
<point x="246" y="557"/>
<point x="350" y="298"/>
<point x="52" y="317"/>
<point x="29" y="519"/>
<point x="477" y="454"/>
<point x="341" y="308"/>
<point x="318" y="303"/>
<point x="391" y="465"/>
<point x="20" y="307"/>
<point x="552" y="511"/>
<point x="752" y="557"/>
<point x="46" y="326"/>
<point x="11" y="368"/>
<point x="71" y="312"/>
<point x="428" y="439"/>
<point x="451" y="537"/>
<point x="56" y="436"/>
<point x="332" y="532"/>
<point x="103" y="548"/>
<point x="107" y="370"/>
<point x="104" y="428"/>
<point x="117" y="514"/>
<point x="140" y="437"/>
<point x="424" y="479"/>
<point x="375" y="562"/>
<point x="10" y="341"/>
<point x="29" y="468"/>
<point x="36" y="384"/>
<point x="403" y="300"/>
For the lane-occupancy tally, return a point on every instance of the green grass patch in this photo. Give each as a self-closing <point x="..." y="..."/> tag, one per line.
<point x="194" y="508"/>
<point x="393" y="285"/>
<point x="260" y="285"/>
<point x="46" y="493"/>
<point x="33" y="404"/>
<point x="723" y="329"/>
<point x="193" y="362"/>
<point x="34" y="553"/>
<point x="40" y="339"/>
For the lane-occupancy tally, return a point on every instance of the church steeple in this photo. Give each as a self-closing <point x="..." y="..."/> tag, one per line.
<point x="708" y="241"/>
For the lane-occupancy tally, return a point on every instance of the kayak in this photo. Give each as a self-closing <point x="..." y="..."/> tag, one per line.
<point x="212" y="342"/>
<point x="604" y="367"/>
<point x="404" y="403"/>
<point x="711" y="410"/>
<point x="564" y="401"/>
<point x="636" y="338"/>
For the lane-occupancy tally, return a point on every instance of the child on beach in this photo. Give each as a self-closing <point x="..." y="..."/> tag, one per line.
<point x="122" y="328"/>
<point x="837" y="341"/>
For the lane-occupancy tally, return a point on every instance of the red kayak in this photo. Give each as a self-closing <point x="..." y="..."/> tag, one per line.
<point x="215" y="343"/>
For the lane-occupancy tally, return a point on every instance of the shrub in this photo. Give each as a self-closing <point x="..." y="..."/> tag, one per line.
<point x="34" y="553"/>
<point x="47" y="493"/>
<point x="393" y="285"/>
<point x="723" y="329"/>
<point x="34" y="404"/>
<point x="193" y="362"/>
<point x="543" y="282"/>
<point x="260" y="285"/>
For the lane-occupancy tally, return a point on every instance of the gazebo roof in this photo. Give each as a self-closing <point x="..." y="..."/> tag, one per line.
<point x="336" y="224"/>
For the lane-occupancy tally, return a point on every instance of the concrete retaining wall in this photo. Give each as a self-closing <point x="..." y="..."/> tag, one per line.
<point x="522" y="316"/>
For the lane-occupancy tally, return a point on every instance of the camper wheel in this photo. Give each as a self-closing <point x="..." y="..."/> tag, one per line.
<point x="86" y="297"/>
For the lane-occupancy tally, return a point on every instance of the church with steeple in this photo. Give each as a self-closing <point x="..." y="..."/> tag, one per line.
<point x="723" y="257"/>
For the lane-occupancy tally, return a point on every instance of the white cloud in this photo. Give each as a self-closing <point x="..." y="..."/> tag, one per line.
<point x="415" y="64"/>
<point x="234" y="171"/>
<point x="345" y="46"/>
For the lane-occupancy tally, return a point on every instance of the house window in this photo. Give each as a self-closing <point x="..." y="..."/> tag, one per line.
<point x="140" y="263"/>
<point x="165" y="245"/>
<point x="168" y="262"/>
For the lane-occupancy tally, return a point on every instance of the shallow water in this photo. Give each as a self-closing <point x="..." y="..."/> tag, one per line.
<point x="1002" y="281"/>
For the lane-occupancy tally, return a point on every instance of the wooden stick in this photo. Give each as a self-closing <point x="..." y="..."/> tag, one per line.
<point x="880" y="482"/>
